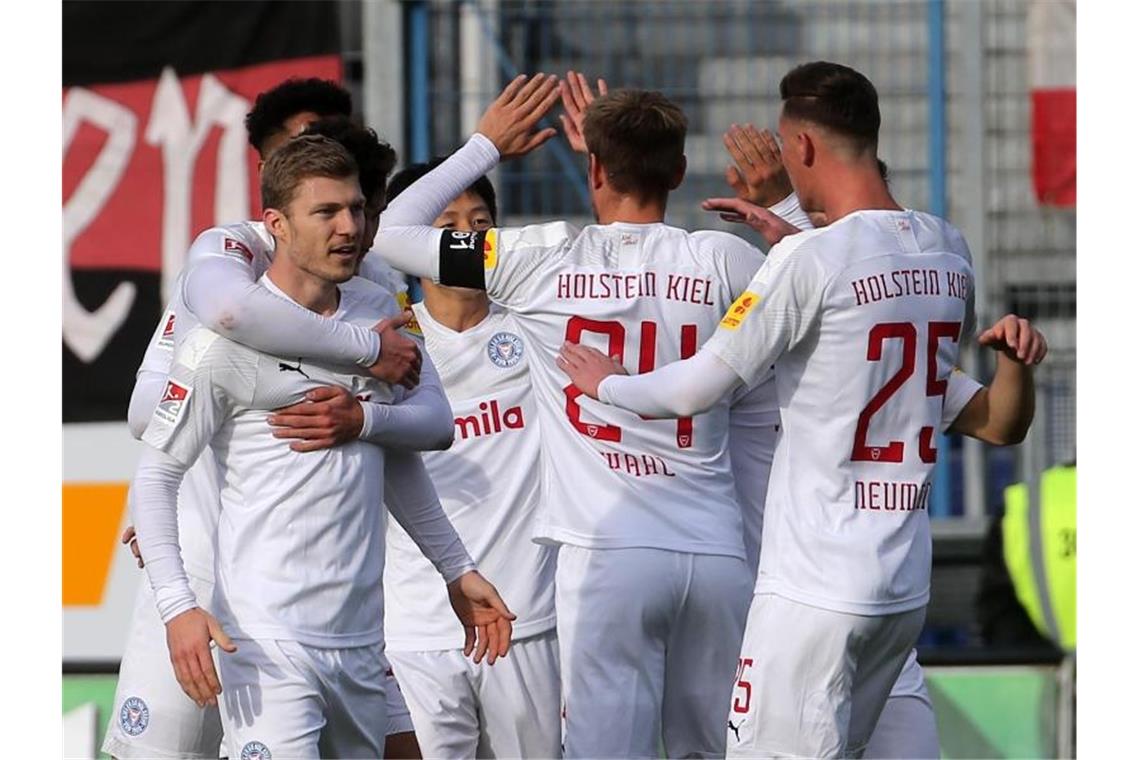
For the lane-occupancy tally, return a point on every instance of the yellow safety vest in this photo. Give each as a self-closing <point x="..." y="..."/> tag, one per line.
<point x="1040" y="548"/>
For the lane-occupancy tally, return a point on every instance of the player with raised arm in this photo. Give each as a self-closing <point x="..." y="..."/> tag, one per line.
<point x="300" y="541"/>
<point x="642" y="510"/>
<point x="907" y="727"/>
<point x="850" y="314"/>
<point x="152" y="715"/>
<point x="488" y="483"/>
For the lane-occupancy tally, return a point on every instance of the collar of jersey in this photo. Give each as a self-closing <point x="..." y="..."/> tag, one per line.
<point x="271" y="286"/>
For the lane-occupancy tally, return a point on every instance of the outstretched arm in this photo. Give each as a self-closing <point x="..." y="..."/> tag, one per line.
<point x="1001" y="413"/>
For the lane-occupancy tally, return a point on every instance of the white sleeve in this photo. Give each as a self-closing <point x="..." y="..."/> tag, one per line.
<point x="680" y="389"/>
<point x="781" y="306"/>
<point x="426" y="198"/>
<point x="791" y="212"/>
<point x="422" y="421"/>
<point x="222" y="292"/>
<point x="144" y="398"/>
<point x="154" y="511"/>
<point x="960" y="390"/>
<point x="412" y="500"/>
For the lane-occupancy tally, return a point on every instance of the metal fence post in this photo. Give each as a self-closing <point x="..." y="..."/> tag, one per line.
<point x="419" y="67"/>
<point x="936" y="98"/>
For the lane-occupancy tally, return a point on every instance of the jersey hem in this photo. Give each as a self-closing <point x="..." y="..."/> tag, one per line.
<point x="872" y="609"/>
<point x="549" y="536"/>
<point x="316" y="641"/>
<point x="117" y="747"/>
<point x="449" y="643"/>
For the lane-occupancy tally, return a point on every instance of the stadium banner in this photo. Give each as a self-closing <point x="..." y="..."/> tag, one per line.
<point x="154" y="152"/>
<point x="1053" y="91"/>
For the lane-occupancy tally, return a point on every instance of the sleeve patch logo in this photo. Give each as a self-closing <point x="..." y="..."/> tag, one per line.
<point x="166" y="340"/>
<point x="405" y="304"/>
<point x="173" y="402"/>
<point x="490" y="252"/>
<point x="740" y="309"/>
<point x="234" y="246"/>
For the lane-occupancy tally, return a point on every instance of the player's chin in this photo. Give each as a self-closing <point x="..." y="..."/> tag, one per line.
<point x="342" y="267"/>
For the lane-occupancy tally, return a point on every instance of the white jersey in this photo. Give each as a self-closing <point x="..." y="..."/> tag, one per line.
<point x="649" y="294"/>
<point x="198" y="501"/>
<point x="488" y="484"/>
<point x="865" y="316"/>
<point x="300" y="546"/>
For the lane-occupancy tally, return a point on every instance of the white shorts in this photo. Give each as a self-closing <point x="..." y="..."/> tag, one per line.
<point x="648" y="640"/>
<point x="462" y="710"/>
<point x="153" y="717"/>
<point x="907" y="727"/>
<point x="812" y="682"/>
<point x="286" y="700"/>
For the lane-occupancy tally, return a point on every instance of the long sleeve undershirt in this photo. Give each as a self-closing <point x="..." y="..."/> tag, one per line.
<point x="421" y="421"/>
<point x="680" y="389"/>
<point x="223" y="294"/>
<point x="413" y="502"/>
<point x="405" y="226"/>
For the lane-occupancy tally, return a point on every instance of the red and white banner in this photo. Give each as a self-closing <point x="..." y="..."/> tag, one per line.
<point x="1053" y="84"/>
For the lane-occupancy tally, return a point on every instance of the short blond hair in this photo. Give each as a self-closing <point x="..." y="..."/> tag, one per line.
<point x="298" y="159"/>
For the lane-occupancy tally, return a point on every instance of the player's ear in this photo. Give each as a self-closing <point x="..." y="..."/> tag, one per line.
<point x="675" y="182"/>
<point x="596" y="173"/>
<point x="805" y="146"/>
<point x="275" y="223"/>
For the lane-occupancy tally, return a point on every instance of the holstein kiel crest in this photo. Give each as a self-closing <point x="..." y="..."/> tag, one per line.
<point x="505" y="349"/>
<point x="256" y="751"/>
<point x="133" y="716"/>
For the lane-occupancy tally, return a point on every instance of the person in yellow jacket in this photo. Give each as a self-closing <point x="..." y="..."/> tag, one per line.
<point x="1039" y="544"/>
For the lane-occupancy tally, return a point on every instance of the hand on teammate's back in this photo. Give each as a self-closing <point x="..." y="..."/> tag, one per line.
<point x="1016" y="339"/>
<point x="757" y="174"/>
<point x="327" y="417"/>
<point x="771" y="227"/>
<point x="576" y="97"/>
<point x="485" y="617"/>
<point x="510" y="120"/>
<point x="399" y="361"/>
<point x="188" y="638"/>
<point x="587" y="367"/>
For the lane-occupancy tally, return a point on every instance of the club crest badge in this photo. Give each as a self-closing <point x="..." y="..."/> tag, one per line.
<point x="505" y="349"/>
<point x="255" y="751"/>
<point x="134" y="716"/>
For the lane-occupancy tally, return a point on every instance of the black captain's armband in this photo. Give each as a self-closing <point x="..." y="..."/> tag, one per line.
<point x="461" y="259"/>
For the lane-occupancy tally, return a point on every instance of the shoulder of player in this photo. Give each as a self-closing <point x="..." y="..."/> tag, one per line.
<point x="202" y="349"/>
<point x="544" y="235"/>
<point x="368" y="294"/>
<point x="721" y="244"/>
<point x="242" y="239"/>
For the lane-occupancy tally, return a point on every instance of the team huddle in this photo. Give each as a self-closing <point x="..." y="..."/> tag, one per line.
<point x="654" y="492"/>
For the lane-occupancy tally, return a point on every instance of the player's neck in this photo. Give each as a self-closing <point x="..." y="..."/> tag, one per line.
<point x="305" y="288"/>
<point x="855" y="188"/>
<point x="457" y="309"/>
<point x="631" y="210"/>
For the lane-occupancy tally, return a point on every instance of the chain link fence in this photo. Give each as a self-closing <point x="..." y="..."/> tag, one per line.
<point x="722" y="60"/>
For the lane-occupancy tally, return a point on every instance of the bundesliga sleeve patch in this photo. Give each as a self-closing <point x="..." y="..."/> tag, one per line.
<point x="465" y="256"/>
<point x="740" y="310"/>
<point x="234" y="246"/>
<point x="166" y="340"/>
<point x="173" y="403"/>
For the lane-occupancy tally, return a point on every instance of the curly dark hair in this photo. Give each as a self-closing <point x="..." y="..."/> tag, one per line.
<point x="274" y="106"/>
<point x="406" y="176"/>
<point x="375" y="157"/>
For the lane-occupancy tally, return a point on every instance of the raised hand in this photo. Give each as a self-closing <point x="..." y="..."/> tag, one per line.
<point x="399" y="361"/>
<point x="327" y="417"/>
<point x="587" y="367"/>
<point x="576" y="97"/>
<point x="510" y="120"/>
<point x="485" y="618"/>
<point x="1017" y="339"/>
<point x="771" y="227"/>
<point x="757" y="174"/>
<point x="188" y="638"/>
